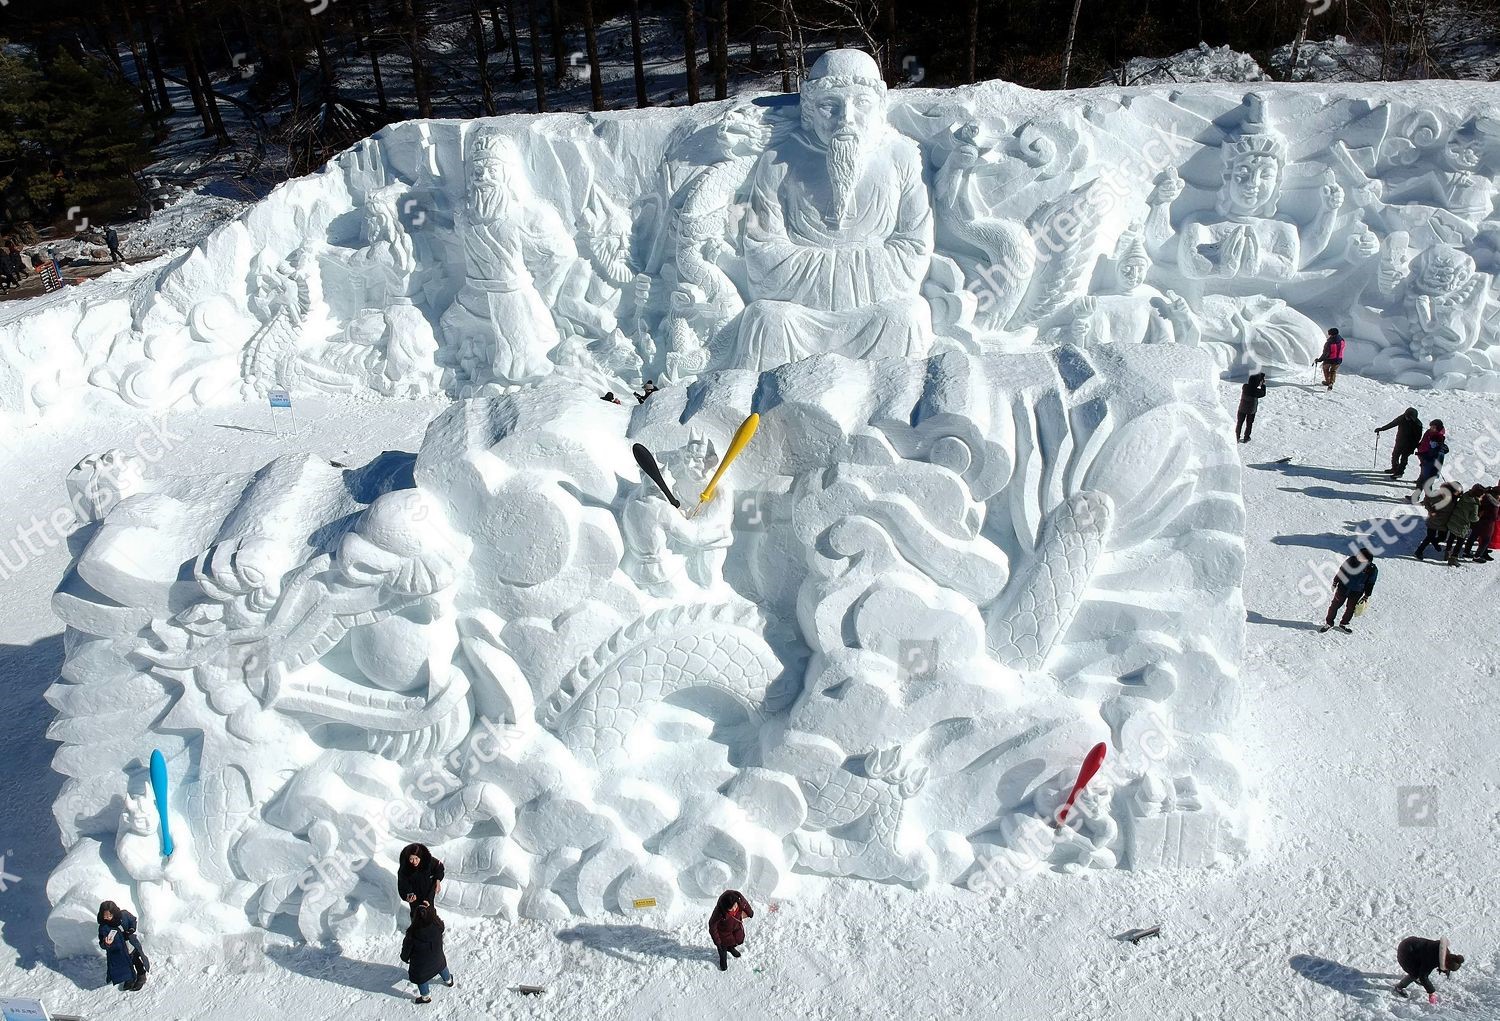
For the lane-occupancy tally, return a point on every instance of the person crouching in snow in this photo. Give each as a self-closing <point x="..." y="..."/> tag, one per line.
<point x="422" y="950"/>
<point x="1351" y="586"/>
<point x="726" y="925"/>
<point x="1419" y="958"/>
<point x="1332" y="357"/>
<point x="124" y="960"/>
<point x="419" y="876"/>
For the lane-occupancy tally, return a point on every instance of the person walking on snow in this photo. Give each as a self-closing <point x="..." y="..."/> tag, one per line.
<point x="124" y="961"/>
<point x="726" y="925"/>
<point x="112" y="239"/>
<point x="1251" y="391"/>
<point x="1439" y="505"/>
<point x="1408" y="426"/>
<point x="1461" y="522"/>
<point x="422" y="951"/>
<point x="1431" y="451"/>
<point x="1332" y="357"/>
<point x="1483" y="531"/>
<point x="1419" y="958"/>
<point x="1354" y="584"/>
<point x="419" y="877"/>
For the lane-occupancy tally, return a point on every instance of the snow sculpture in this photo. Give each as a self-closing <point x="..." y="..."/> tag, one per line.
<point x="926" y="588"/>
<point x="1129" y="311"/>
<point x="839" y="233"/>
<point x="460" y="256"/>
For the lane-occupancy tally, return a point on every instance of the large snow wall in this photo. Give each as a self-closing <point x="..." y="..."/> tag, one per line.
<point x="990" y="519"/>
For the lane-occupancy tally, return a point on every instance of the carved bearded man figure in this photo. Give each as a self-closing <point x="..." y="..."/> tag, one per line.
<point x="839" y="235"/>
<point x="498" y="324"/>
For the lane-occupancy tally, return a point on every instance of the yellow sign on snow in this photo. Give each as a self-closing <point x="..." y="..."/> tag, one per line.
<point x="645" y="902"/>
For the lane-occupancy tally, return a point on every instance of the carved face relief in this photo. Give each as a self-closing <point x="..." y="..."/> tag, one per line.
<point x="1253" y="184"/>
<point x="852" y="113"/>
<point x="1441" y="271"/>
<point x="487" y="188"/>
<point x="1133" y="273"/>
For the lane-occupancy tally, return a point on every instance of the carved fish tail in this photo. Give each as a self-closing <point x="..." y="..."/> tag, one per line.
<point x="1023" y="629"/>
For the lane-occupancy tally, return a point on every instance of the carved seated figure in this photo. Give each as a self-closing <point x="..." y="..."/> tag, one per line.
<point x="1246" y="238"/>
<point x="1439" y="307"/>
<point x="666" y="551"/>
<point x="839" y="236"/>
<point x="1132" y="311"/>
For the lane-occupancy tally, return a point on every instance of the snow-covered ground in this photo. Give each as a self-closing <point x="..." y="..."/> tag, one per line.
<point x="1372" y="759"/>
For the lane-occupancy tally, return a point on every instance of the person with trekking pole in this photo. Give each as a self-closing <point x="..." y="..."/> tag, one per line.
<point x="1332" y="357"/>
<point x="1408" y="426"/>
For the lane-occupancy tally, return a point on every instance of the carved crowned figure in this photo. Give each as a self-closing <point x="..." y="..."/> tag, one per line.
<point x="1247" y="238"/>
<point x="839" y="235"/>
<point x="499" y="323"/>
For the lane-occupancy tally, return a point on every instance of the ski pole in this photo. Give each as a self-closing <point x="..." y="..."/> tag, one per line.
<point x="1375" y="461"/>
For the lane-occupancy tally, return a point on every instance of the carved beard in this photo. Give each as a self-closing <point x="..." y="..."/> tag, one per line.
<point x="486" y="201"/>
<point x="845" y="160"/>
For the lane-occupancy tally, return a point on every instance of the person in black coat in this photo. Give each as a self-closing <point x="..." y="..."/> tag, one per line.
<point x="1354" y="583"/>
<point x="419" y="876"/>
<point x="112" y="239"/>
<point x="422" y="950"/>
<point x="726" y="926"/>
<point x="1419" y="958"/>
<point x="1408" y="426"/>
<point x="124" y="961"/>
<point x="1251" y="391"/>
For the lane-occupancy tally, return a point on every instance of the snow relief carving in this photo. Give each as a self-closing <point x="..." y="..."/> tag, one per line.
<point x="458" y="256"/>
<point x="923" y="591"/>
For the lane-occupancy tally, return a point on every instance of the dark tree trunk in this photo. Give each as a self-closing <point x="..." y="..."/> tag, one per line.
<point x="591" y="44"/>
<point x="537" y="79"/>
<point x="721" y="71"/>
<point x="369" y="30"/>
<point x="559" y="61"/>
<point x="482" y="58"/>
<point x="972" y="70"/>
<point x="163" y="100"/>
<point x="641" y="99"/>
<point x="783" y="42"/>
<point x="892" y="54"/>
<point x="496" y="28"/>
<point x="418" y="67"/>
<point x="690" y="47"/>
<point x="515" y="41"/>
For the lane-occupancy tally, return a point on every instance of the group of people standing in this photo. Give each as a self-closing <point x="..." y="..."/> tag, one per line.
<point x="1463" y="523"/>
<point x="13" y="267"/>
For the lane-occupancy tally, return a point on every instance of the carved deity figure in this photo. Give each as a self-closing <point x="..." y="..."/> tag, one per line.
<point x="1131" y="311"/>
<point x="392" y="322"/>
<point x="1458" y="187"/>
<point x="519" y="260"/>
<point x="839" y="235"/>
<point x="1248" y="239"/>
<point x="1436" y="306"/>
<point x="667" y="551"/>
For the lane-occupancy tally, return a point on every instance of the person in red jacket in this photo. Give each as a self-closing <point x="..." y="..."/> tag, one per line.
<point x="1332" y="357"/>
<point x="726" y="925"/>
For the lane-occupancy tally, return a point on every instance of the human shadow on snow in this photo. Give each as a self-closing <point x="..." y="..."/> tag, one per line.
<point x="1329" y="493"/>
<point x="632" y="942"/>
<point x="1341" y="978"/>
<point x="327" y="965"/>
<point x="1348" y="476"/>
<point x="1255" y="617"/>
<point x="28" y="789"/>
<point x="1324" y="540"/>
